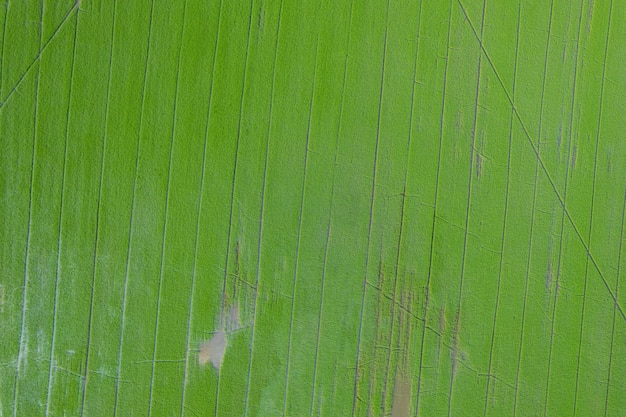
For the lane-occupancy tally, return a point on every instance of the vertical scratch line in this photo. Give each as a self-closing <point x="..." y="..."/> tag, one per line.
<point x="505" y="218"/>
<point x="371" y="214"/>
<point x="407" y="170"/>
<point x="621" y="241"/>
<point x="434" y="221"/>
<point x="378" y="134"/>
<point x="4" y="36"/>
<point x="564" y="216"/>
<point x="467" y="211"/>
<point x="232" y="193"/>
<point x="132" y="216"/>
<point x="402" y="212"/>
<point x="299" y="235"/>
<point x="262" y="210"/>
<point x="319" y="313"/>
<point x="532" y="221"/>
<point x="199" y="214"/>
<point x="258" y="269"/>
<point x="341" y="107"/>
<point x="59" y="242"/>
<point x="166" y="212"/>
<point x="262" y="216"/>
<point x="593" y="192"/>
<point x="617" y="276"/>
<point x="22" y="340"/>
<point x="97" y="229"/>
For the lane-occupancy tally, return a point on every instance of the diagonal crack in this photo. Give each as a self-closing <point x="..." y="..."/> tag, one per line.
<point x="3" y="101"/>
<point x="543" y="166"/>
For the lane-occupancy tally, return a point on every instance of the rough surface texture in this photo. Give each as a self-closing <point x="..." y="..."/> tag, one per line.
<point x="312" y="196"/>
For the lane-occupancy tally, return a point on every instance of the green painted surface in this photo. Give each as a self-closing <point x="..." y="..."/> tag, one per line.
<point x="415" y="208"/>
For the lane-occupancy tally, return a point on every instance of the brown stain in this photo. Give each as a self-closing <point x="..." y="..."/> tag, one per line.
<point x="401" y="397"/>
<point x="213" y="350"/>
<point x="401" y="404"/>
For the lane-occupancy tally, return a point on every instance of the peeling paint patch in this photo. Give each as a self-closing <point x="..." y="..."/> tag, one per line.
<point x="213" y="350"/>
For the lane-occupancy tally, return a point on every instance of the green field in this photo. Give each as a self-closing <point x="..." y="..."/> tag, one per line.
<point x="392" y="208"/>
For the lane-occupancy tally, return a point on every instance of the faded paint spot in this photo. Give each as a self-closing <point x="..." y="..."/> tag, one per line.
<point x="213" y="350"/>
<point x="401" y="405"/>
<point x="231" y="320"/>
<point x="589" y="16"/>
<point x="442" y="320"/>
<point x="22" y="357"/>
<point x="458" y="122"/>
<point x="574" y="157"/>
<point x="454" y="353"/>
<point x="549" y="277"/>
<point x="479" y="164"/>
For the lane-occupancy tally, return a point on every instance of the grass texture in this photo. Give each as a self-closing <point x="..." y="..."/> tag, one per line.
<point x="381" y="208"/>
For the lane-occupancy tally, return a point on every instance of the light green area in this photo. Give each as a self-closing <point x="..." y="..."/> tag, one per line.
<point x="420" y="198"/>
